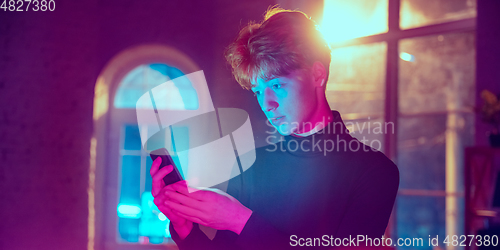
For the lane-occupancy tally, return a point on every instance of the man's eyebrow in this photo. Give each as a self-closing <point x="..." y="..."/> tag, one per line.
<point x="265" y="81"/>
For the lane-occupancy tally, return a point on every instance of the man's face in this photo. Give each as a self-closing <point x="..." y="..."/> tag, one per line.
<point x="288" y="102"/>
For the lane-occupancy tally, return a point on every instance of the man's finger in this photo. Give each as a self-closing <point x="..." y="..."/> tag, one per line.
<point x="173" y="217"/>
<point x="156" y="187"/>
<point x="162" y="173"/>
<point x="191" y="218"/>
<point x="184" y="199"/>
<point x="158" y="183"/>
<point x="159" y="200"/>
<point x="199" y="194"/>
<point x="155" y="166"/>
<point x="180" y="186"/>
<point x="176" y="207"/>
<point x="183" y="188"/>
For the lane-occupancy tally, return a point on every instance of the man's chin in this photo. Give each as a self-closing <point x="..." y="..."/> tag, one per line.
<point x="285" y="130"/>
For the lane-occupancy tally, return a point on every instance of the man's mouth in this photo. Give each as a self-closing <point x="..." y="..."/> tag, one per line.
<point x="276" y="120"/>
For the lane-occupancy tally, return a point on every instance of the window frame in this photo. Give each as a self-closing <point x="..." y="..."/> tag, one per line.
<point x="391" y="107"/>
<point x="105" y="145"/>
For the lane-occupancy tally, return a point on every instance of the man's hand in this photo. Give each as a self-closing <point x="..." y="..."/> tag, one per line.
<point x="209" y="207"/>
<point x="181" y="225"/>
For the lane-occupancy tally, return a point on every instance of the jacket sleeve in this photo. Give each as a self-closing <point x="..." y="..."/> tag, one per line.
<point x="196" y="239"/>
<point x="258" y="233"/>
<point x="371" y="202"/>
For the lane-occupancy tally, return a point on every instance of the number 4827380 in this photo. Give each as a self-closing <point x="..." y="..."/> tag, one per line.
<point x="28" y="5"/>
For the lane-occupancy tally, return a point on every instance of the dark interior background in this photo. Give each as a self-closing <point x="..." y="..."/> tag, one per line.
<point x="49" y="63"/>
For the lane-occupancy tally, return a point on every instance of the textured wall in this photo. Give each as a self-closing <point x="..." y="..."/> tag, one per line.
<point x="47" y="73"/>
<point x="49" y="62"/>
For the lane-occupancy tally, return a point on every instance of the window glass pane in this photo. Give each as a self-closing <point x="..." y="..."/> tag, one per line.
<point x="356" y="85"/>
<point x="356" y="88"/>
<point x="149" y="181"/>
<point x="134" y="85"/>
<point x="343" y="20"/>
<point x="129" y="206"/>
<point x="128" y="229"/>
<point x="436" y="73"/>
<point x="422" y="148"/>
<point x="130" y="180"/>
<point x="417" y="13"/>
<point x="153" y="224"/>
<point x="139" y="220"/>
<point x="419" y="217"/>
<point x="421" y="152"/>
<point x="132" y="137"/>
<point x="436" y="123"/>
<point x="177" y="95"/>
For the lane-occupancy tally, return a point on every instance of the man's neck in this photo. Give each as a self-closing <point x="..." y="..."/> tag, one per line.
<point x="320" y="123"/>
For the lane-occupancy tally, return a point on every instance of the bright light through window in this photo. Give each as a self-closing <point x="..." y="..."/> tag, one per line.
<point x="344" y="20"/>
<point x="129" y="211"/>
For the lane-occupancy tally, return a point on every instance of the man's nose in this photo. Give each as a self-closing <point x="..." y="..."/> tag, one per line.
<point x="270" y="102"/>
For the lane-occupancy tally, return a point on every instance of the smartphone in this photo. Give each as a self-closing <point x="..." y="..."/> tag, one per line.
<point x="166" y="160"/>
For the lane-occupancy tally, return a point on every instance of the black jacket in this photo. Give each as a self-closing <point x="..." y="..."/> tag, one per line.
<point x="324" y="186"/>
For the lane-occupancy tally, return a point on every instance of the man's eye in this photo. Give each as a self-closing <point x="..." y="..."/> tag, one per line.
<point x="256" y="93"/>
<point x="276" y="86"/>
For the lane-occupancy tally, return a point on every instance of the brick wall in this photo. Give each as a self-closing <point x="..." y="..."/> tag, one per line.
<point x="47" y="70"/>
<point x="49" y="62"/>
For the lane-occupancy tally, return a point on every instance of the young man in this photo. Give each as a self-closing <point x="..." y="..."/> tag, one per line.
<point x="299" y="191"/>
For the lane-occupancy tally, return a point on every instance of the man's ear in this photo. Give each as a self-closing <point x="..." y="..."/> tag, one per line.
<point x="319" y="74"/>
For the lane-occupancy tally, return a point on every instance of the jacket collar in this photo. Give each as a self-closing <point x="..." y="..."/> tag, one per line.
<point x="319" y="142"/>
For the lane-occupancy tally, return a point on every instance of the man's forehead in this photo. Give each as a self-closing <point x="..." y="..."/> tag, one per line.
<point x="257" y="81"/>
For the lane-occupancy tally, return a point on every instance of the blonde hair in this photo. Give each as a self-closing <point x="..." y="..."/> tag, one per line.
<point x="284" y="41"/>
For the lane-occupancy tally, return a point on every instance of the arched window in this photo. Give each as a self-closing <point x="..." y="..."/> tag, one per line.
<point x="139" y="220"/>
<point x="181" y="94"/>
<point x="121" y="194"/>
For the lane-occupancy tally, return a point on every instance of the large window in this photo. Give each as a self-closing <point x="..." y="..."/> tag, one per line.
<point x="138" y="220"/>
<point x="122" y="214"/>
<point x="436" y="89"/>
<point x="358" y="73"/>
<point x="409" y="63"/>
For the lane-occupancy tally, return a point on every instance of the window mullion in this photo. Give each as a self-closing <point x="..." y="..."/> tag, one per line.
<point x="391" y="97"/>
<point x="393" y="14"/>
